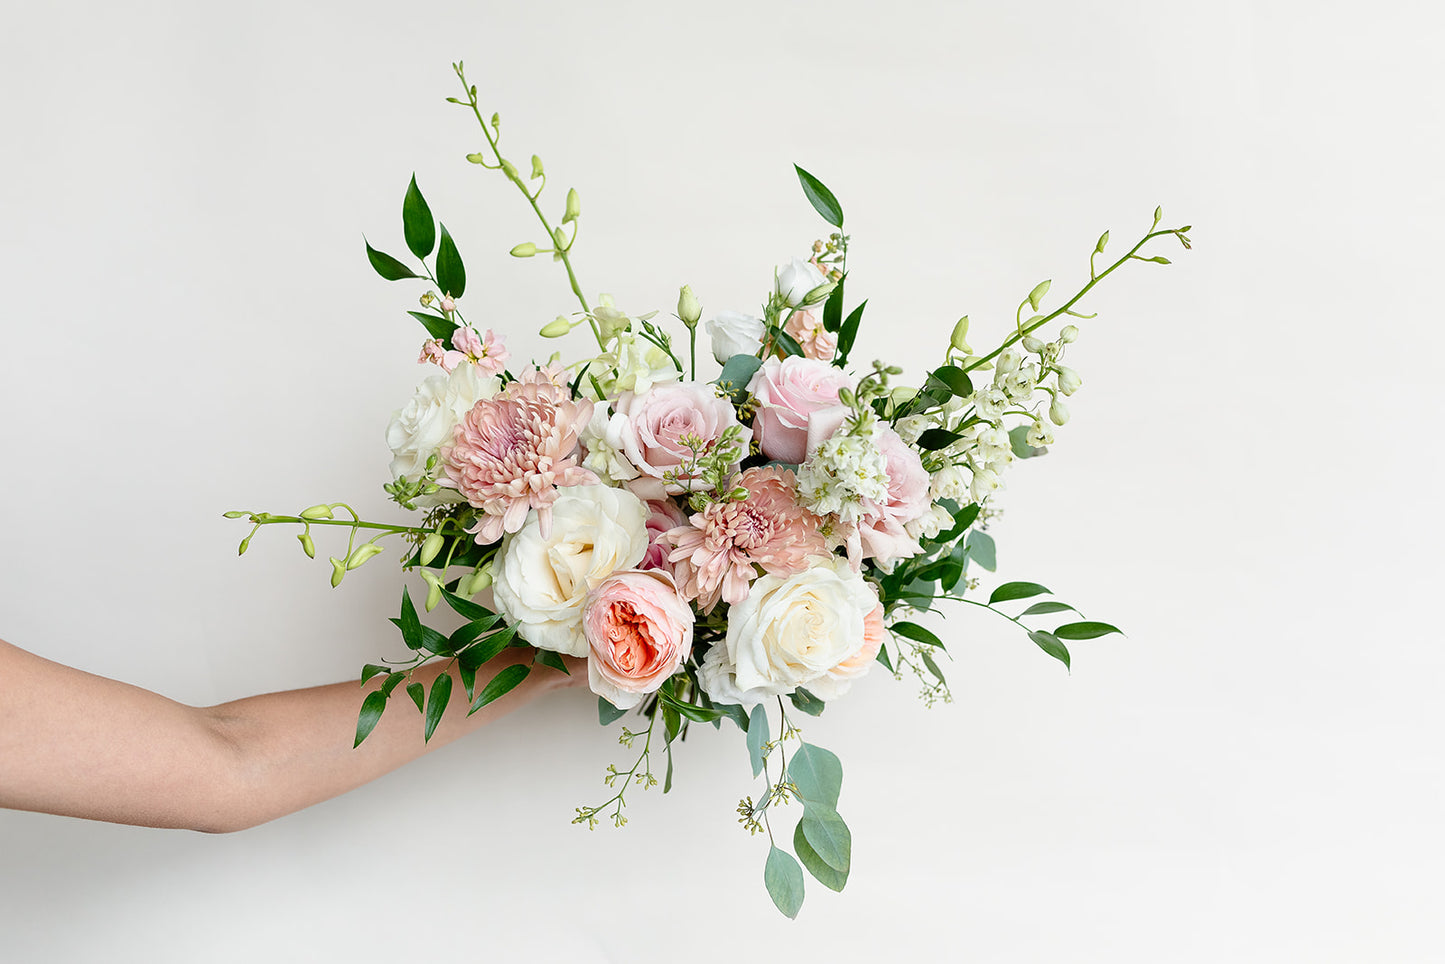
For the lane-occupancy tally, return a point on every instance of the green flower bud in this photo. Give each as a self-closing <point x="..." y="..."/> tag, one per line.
<point x="959" y="338"/>
<point x="477" y="158"/>
<point x="536" y="166"/>
<point x="1033" y="344"/>
<point x="819" y="294"/>
<point x="245" y="544"/>
<point x="1037" y="295"/>
<point x="361" y="554"/>
<point x="510" y="169"/>
<point x="236" y="514"/>
<point x="430" y="546"/>
<point x="1103" y="240"/>
<point x="496" y="121"/>
<point x="434" y="590"/>
<point x="476" y="582"/>
<point x="524" y="250"/>
<point x="1068" y="334"/>
<point x="338" y="570"/>
<point x="902" y="395"/>
<point x="556" y="328"/>
<point x="307" y="545"/>
<point x="1058" y="411"/>
<point x="574" y="206"/>
<point x="688" y="307"/>
<point x="321" y="511"/>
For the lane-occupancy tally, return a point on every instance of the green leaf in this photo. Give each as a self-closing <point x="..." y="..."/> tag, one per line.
<point x="698" y="714"/>
<point x="607" y="713"/>
<point x="436" y="704"/>
<point x="848" y="333"/>
<point x="486" y="648"/>
<point x="501" y="684"/>
<point x="451" y="275"/>
<point x="806" y="702"/>
<point x="417" y="223"/>
<point x="1016" y="590"/>
<point x="937" y="438"/>
<point x="916" y="633"/>
<point x="1040" y="608"/>
<point x="387" y="266"/>
<point x="833" y="309"/>
<point x="784" y="880"/>
<point x="1086" y="630"/>
<point x="409" y="623"/>
<point x="883" y="658"/>
<point x="737" y="372"/>
<point x="465" y="607"/>
<point x="392" y="682"/>
<point x="982" y="550"/>
<point x="435" y="641"/>
<point x="667" y="781"/>
<point x="955" y="379"/>
<point x="371" y="710"/>
<point x="1050" y="644"/>
<point x="417" y="692"/>
<point x="821" y="198"/>
<point x="469" y="679"/>
<point x="927" y="658"/>
<point x="436" y="326"/>
<point x="671" y="721"/>
<point x="370" y="670"/>
<point x="548" y="658"/>
<point x="830" y="878"/>
<point x="467" y="633"/>
<point x="828" y="835"/>
<point x="735" y="713"/>
<point x="757" y="737"/>
<point x="817" y="773"/>
<point x="787" y="342"/>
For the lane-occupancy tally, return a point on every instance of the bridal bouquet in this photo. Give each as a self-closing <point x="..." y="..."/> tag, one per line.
<point x="739" y="544"/>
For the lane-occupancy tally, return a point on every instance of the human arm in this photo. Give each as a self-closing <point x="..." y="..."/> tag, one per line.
<point x="81" y="745"/>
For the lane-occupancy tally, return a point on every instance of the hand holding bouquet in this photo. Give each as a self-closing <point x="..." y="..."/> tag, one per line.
<point x="733" y="545"/>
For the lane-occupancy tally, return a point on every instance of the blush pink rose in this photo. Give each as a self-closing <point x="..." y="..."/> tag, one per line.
<point x="656" y="424"/>
<point x="639" y="632"/>
<point x="663" y="514"/>
<point x="881" y="530"/>
<point x="788" y="393"/>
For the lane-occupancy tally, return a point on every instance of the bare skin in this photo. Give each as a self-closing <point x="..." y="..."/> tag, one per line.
<point x="85" y="746"/>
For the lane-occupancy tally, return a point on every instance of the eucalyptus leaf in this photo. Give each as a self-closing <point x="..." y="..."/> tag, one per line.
<point x="436" y="704"/>
<point x="757" y="737"/>
<point x="608" y="714"/>
<point x="737" y="372"/>
<point x="982" y="550"/>
<point x="828" y="835"/>
<point x="821" y="198"/>
<point x="784" y="880"/>
<point x="830" y="878"/>
<point x="805" y="702"/>
<point x="1085" y="630"/>
<point x="1016" y="590"/>
<point x="387" y="266"/>
<point x="1050" y="644"/>
<point x="1018" y="443"/>
<point x="451" y="275"/>
<point x="417" y="223"/>
<point x="817" y="773"/>
<point x="371" y="710"/>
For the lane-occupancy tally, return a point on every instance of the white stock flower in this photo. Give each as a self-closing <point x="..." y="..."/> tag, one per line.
<point x="417" y="431"/>
<point x="985" y="483"/>
<point x="1069" y="380"/>
<point x="795" y="279"/>
<point x="604" y="438"/>
<point x="930" y="524"/>
<point x="949" y="482"/>
<point x="841" y="472"/>
<point x="990" y="402"/>
<point x="1040" y="434"/>
<point x="734" y="333"/>
<point x="543" y="581"/>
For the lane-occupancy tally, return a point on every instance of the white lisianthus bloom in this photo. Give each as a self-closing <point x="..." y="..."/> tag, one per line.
<point x="734" y="333"/>
<point x="417" y="431"/>
<point x="795" y="279"/>
<point x="542" y="581"/>
<point x="789" y="632"/>
<point x="604" y="438"/>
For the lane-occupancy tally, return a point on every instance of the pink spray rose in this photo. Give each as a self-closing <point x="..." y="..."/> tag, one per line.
<point x="788" y="393"/>
<point x="663" y="515"/>
<point x="639" y="632"/>
<point x="657" y="422"/>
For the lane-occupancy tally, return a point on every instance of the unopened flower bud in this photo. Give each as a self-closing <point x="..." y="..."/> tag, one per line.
<point x="430" y="546"/>
<point x="321" y="511"/>
<point x="307" y="545"/>
<point x="536" y="166"/>
<point x="496" y="121"/>
<point x="1069" y="380"/>
<point x="556" y="328"/>
<point x="574" y="206"/>
<point x="434" y="590"/>
<point x="1033" y="344"/>
<point x="902" y="395"/>
<point x="477" y="158"/>
<point x="510" y="169"/>
<point x="846" y="396"/>
<point x="960" y="335"/>
<point x="448" y="305"/>
<point x="1069" y="334"/>
<point x="688" y="307"/>
<point x="245" y="544"/>
<point x="524" y="250"/>
<point x="338" y="570"/>
<point x="1037" y="295"/>
<point x="476" y="582"/>
<point x="361" y="554"/>
<point x="820" y="294"/>
<point x="236" y="514"/>
<point x="1058" y="411"/>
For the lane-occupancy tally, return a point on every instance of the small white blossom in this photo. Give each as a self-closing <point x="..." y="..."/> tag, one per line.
<point x="949" y="482"/>
<point x="1058" y="411"/>
<point x="1007" y="361"/>
<point x="913" y="426"/>
<point x="930" y="524"/>
<point x="1069" y="380"/>
<point x="985" y="483"/>
<point x="603" y="439"/>
<point x="840" y="473"/>
<point x="990" y="402"/>
<point x="1040" y="434"/>
<point x="633" y="365"/>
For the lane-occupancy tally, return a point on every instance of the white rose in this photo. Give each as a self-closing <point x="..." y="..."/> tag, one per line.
<point x="734" y="333"/>
<point x="788" y="632"/>
<point x="543" y="581"/>
<point x="795" y="279"/>
<point x="603" y="438"/>
<point x="426" y="423"/>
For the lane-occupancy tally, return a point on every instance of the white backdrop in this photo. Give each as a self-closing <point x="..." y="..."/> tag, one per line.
<point x="1249" y="486"/>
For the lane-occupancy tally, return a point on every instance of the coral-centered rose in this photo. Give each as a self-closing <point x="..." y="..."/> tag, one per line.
<point x="542" y="581"/>
<point x="789" y="392"/>
<point x="789" y="632"/>
<point x="639" y="632"/>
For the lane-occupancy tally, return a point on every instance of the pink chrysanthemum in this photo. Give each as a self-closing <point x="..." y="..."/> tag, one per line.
<point x="511" y="452"/>
<point x="717" y="551"/>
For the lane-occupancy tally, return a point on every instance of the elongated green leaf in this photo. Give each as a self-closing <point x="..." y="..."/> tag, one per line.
<point x="817" y="773"/>
<point x="916" y="633"/>
<point x="607" y="713"/>
<point x="1016" y="590"/>
<point x="436" y="704"/>
<point x="757" y="737"/>
<point x="883" y="658"/>
<point x="848" y="333"/>
<point x="436" y="326"/>
<point x="698" y="714"/>
<point x="468" y="676"/>
<point x="409" y="623"/>
<point x="955" y="379"/>
<point x="435" y="641"/>
<point x="1086" y="630"/>
<point x="370" y="670"/>
<point x="833" y="309"/>
<point x="784" y="880"/>
<point x="467" y="633"/>
<point x="392" y="682"/>
<point x="387" y="266"/>
<point x="671" y="722"/>
<point x="1050" y="644"/>
<point x="501" y="684"/>
<point x="667" y="780"/>
<point x="932" y="666"/>
<point x="554" y="660"/>
<point x="465" y="607"/>
<point x="735" y="713"/>
<point x="1041" y="608"/>
<point x="485" y="649"/>
<point x="934" y="439"/>
<point x="787" y="342"/>
<point x="371" y="710"/>
<point x="417" y="692"/>
<point x="821" y="198"/>
<point x="981" y="550"/>
<point x="417" y="223"/>
<point x="830" y="878"/>
<point x="806" y="702"/>
<point x="451" y="275"/>
<point x="828" y="835"/>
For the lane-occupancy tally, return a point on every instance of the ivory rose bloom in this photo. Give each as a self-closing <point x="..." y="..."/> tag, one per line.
<point x="734" y="333"/>
<point x="788" y="632"/>
<point x="639" y="632"/>
<point x="789" y="393"/>
<point x="838" y="680"/>
<point x="542" y="580"/>
<point x="656" y="424"/>
<point x="420" y="429"/>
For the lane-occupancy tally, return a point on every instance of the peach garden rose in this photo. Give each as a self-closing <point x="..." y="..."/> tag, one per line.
<point x="639" y="632"/>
